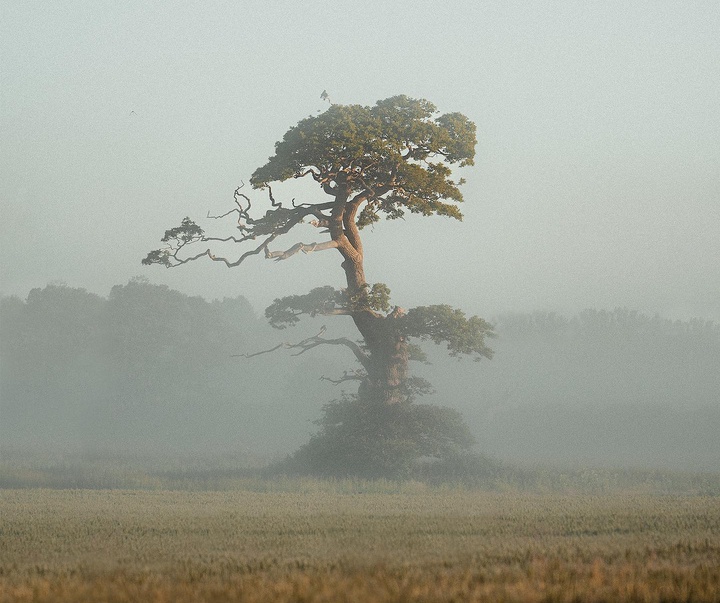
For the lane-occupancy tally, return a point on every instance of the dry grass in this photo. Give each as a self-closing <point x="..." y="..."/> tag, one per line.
<point x="415" y="545"/>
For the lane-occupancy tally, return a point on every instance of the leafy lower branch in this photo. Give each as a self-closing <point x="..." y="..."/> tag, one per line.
<point x="286" y="311"/>
<point x="444" y="324"/>
<point x="326" y="301"/>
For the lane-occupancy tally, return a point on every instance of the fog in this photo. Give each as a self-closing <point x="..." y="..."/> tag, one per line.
<point x="150" y="371"/>
<point x="595" y="187"/>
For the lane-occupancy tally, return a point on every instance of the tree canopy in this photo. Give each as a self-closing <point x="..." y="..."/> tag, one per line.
<point x="393" y="156"/>
<point x="386" y="160"/>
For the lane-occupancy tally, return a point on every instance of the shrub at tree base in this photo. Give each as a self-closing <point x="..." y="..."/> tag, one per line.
<point x="371" y="439"/>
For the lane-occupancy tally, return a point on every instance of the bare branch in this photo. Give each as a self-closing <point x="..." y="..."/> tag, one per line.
<point x="315" y="174"/>
<point x="347" y="376"/>
<point x="267" y="228"/>
<point x="313" y="342"/>
<point x="244" y="256"/>
<point x="240" y="210"/>
<point x="181" y="261"/>
<point x="277" y="347"/>
<point x="304" y="247"/>
<point x="227" y="213"/>
<point x="272" y="199"/>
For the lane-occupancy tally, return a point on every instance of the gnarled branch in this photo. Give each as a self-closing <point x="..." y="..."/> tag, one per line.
<point x="274" y="223"/>
<point x="304" y="247"/>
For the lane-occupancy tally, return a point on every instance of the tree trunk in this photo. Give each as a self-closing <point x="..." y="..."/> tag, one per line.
<point x="388" y="354"/>
<point x="387" y="348"/>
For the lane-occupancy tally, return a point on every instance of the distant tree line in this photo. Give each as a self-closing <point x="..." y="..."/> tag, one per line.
<point x="148" y="368"/>
<point x="625" y="355"/>
<point x="609" y="387"/>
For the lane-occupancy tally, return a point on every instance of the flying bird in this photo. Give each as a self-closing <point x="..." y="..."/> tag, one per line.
<point x="325" y="96"/>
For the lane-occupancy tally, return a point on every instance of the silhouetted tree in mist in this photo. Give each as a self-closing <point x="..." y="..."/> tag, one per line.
<point x="368" y="163"/>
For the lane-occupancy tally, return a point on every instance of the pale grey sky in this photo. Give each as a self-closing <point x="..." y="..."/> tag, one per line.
<point x="597" y="180"/>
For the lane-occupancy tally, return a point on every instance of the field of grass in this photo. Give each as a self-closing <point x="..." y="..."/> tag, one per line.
<point x="412" y="543"/>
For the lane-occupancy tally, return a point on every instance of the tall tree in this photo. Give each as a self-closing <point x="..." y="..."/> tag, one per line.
<point x="385" y="160"/>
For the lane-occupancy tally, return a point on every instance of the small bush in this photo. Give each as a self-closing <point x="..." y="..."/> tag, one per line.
<point x="364" y="438"/>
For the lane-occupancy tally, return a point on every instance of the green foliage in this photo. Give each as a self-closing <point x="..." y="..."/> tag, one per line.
<point x="442" y="323"/>
<point x="375" y="297"/>
<point x="286" y="311"/>
<point x="364" y="438"/>
<point x="417" y="386"/>
<point x="157" y="256"/>
<point x="416" y="353"/>
<point x="186" y="232"/>
<point x="437" y="323"/>
<point x="395" y="153"/>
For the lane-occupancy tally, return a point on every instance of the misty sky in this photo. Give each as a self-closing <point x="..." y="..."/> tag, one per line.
<point x="596" y="184"/>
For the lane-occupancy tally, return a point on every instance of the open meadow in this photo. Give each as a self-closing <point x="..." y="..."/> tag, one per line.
<point x="351" y="544"/>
